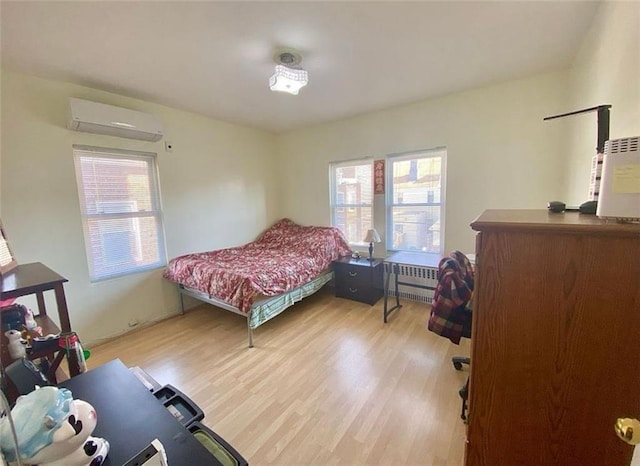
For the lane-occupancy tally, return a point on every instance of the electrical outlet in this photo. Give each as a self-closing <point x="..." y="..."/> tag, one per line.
<point x="168" y="147"/>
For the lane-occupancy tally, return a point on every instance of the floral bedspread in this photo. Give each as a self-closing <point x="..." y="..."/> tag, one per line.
<point x="284" y="257"/>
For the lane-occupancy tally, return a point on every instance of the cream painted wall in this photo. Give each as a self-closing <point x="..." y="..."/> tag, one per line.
<point x="218" y="190"/>
<point x="501" y="154"/>
<point x="606" y="71"/>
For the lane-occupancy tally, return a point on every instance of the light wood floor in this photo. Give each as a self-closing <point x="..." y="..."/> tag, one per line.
<point x="326" y="383"/>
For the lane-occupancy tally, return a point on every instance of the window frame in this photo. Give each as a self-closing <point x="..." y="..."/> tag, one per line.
<point x="156" y="211"/>
<point x="334" y="194"/>
<point x="389" y="202"/>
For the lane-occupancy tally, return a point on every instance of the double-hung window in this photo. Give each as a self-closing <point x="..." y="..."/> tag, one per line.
<point x="352" y="198"/>
<point x="415" y="201"/>
<point x="121" y="213"/>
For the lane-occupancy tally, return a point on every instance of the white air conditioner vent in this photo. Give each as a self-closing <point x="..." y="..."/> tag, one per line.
<point x="94" y="117"/>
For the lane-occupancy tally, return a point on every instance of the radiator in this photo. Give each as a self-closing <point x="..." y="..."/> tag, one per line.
<point x="425" y="276"/>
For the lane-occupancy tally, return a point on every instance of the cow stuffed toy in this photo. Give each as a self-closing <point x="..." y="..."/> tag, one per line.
<point x="53" y="429"/>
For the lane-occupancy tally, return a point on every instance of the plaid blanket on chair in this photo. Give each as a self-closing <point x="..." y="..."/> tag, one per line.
<point x="450" y="316"/>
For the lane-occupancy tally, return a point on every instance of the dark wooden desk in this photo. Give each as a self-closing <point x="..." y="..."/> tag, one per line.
<point x="36" y="278"/>
<point x="130" y="417"/>
<point x="393" y="265"/>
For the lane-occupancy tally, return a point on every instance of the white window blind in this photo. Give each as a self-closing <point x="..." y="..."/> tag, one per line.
<point x="415" y="201"/>
<point x="352" y="198"/>
<point x="7" y="261"/>
<point x="121" y="212"/>
<point x="5" y="254"/>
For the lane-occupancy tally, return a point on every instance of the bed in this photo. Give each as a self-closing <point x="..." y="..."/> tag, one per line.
<point x="261" y="279"/>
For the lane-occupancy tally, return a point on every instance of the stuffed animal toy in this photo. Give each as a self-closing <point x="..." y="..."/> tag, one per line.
<point x="53" y="429"/>
<point x="17" y="345"/>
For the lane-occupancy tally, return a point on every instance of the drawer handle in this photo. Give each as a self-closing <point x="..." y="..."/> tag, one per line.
<point x="353" y="290"/>
<point x="353" y="274"/>
<point x="628" y="430"/>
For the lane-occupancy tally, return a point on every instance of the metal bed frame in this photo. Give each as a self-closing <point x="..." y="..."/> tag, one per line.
<point x="296" y="294"/>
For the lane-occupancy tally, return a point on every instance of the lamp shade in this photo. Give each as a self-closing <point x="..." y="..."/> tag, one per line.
<point x="289" y="80"/>
<point x="372" y="236"/>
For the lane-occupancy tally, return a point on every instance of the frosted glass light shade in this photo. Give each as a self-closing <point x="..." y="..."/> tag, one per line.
<point x="288" y="80"/>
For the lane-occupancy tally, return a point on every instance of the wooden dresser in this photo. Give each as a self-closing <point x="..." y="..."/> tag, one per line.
<point x="556" y="339"/>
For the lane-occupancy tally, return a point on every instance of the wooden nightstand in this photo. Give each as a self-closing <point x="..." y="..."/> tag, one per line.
<point x="359" y="279"/>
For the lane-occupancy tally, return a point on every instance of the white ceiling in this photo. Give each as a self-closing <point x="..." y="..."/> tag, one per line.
<point x="215" y="58"/>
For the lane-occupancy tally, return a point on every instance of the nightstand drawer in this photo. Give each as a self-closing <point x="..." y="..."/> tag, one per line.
<point x="364" y="295"/>
<point x="353" y="277"/>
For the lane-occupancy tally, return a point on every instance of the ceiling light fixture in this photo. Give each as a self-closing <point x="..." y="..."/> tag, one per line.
<point x="288" y="77"/>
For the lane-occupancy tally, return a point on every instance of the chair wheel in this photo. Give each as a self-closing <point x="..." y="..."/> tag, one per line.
<point x="457" y="365"/>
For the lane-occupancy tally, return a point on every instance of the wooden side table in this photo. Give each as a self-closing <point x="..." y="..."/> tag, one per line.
<point x="359" y="279"/>
<point x="36" y="278"/>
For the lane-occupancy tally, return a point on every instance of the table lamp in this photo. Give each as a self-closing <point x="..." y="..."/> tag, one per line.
<point x="372" y="237"/>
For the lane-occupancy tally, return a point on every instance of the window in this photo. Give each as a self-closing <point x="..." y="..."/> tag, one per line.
<point x="352" y="198"/>
<point x="415" y="201"/>
<point x="121" y="214"/>
<point x="7" y="261"/>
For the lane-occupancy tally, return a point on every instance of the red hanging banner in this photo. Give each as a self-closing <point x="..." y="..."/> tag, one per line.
<point x="378" y="177"/>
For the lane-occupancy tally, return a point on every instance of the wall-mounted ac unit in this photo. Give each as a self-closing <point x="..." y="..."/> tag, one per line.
<point x="93" y="117"/>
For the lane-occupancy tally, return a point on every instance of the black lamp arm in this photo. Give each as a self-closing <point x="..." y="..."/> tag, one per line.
<point x="603" y="122"/>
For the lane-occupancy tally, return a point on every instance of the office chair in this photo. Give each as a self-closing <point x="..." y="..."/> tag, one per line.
<point x="458" y="361"/>
<point x="450" y="315"/>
